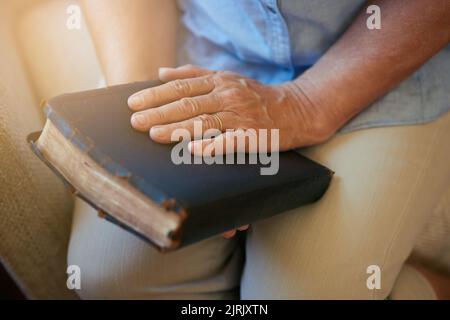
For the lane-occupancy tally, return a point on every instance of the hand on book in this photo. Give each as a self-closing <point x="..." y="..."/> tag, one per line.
<point x="226" y="101"/>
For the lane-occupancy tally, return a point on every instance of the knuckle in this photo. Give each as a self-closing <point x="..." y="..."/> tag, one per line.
<point x="208" y="81"/>
<point x="218" y="78"/>
<point x="232" y="93"/>
<point x="157" y="115"/>
<point x="189" y="106"/>
<point x="151" y="94"/>
<point x="221" y="73"/>
<point x="208" y="121"/>
<point x="227" y="75"/>
<point x="217" y="100"/>
<point x="181" y="87"/>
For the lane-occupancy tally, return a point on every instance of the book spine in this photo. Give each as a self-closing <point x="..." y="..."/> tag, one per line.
<point x="32" y="138"/>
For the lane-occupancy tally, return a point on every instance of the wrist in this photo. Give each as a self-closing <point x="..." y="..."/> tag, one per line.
<point x="321" y="120"/>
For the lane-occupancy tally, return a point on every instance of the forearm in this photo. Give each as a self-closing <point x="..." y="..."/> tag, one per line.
<point x="133" y="38"/>
<point x="365" y="64"/>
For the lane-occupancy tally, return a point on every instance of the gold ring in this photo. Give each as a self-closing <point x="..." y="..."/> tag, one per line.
<point x="215" y="115"/>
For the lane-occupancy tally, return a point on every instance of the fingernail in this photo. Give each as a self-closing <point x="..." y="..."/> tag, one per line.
<point x="135" y="101"/>
<point x="243" y="228"/>
<point x="138" y="120"/>
<point x="229" y="234"/>
<point x="162" y="73"/>
<point x="157" y="132"/>
<point x="164" y="69"/>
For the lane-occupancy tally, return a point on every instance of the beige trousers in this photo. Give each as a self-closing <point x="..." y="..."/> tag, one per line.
<point x="388" y="181"/>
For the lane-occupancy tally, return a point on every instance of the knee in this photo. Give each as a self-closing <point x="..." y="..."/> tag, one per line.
<point x="138" y="271"/>
<point x="114" y="264"/>
<point x="285" y="266"/>
<point x="95" y="282"/>
<point x="310" y="283"/>
<point x="107" y="257"/>
<point x="102" y="273"/>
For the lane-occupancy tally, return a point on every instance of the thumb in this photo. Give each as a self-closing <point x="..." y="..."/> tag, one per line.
<point x="225" y="143"/>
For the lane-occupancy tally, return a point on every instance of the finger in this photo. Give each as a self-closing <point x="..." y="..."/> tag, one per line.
<point x="243" y="228"/>
<point x="228" y="142"/>
<point x="183" y="109"/>
<point x="196" y="127"/>
<point x="237" y="141"/>
<point x="229" y="234"/>
<point x="170" y="92"/>
<point x="183" y="72"/>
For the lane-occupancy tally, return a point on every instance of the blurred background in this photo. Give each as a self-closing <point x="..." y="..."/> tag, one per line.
<point x="40" y="57"/>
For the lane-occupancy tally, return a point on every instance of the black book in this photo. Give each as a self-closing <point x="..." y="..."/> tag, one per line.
<point x="132" y="181"/>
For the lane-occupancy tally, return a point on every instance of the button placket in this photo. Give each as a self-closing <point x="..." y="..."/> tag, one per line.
<point x="278" y="43"/>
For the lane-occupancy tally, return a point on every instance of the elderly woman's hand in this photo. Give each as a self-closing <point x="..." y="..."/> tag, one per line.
<point x="226" y="100"/>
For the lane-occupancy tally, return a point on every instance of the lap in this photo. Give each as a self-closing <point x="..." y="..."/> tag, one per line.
<point x="115" y="264"/>
<point x="387" y="182"/>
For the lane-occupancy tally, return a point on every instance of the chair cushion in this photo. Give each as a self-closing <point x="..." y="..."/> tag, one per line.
<point x="35" y="208"/>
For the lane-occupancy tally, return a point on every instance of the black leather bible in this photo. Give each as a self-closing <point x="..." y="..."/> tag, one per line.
<point x="88" y="141"/>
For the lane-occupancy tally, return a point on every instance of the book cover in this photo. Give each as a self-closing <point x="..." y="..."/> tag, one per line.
<point x="89" y="142"/>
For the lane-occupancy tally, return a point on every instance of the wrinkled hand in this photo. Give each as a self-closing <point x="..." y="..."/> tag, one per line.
<point x="226" y="100"/>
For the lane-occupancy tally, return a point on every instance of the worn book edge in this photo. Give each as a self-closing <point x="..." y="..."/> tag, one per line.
<point x="85" y="144"/>
<point x="91" y="182"/>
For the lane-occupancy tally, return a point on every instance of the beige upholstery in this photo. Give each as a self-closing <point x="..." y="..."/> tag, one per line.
<point x="39" y="58"/>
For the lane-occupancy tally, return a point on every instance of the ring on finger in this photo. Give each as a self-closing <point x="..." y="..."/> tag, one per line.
<point x="219" y="121"/>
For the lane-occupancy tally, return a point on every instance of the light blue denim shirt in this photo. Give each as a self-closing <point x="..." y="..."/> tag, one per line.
<point x="275" y="41"/>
